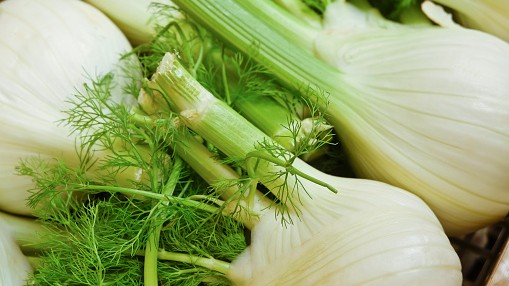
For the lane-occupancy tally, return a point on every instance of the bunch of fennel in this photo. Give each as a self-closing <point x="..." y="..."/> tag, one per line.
<point x="257" y="260"/>
<point x="335" y="227"/>
<point x="49" y="49"/>
<point x="422" y="108"/>
<point x="405" y="229"/>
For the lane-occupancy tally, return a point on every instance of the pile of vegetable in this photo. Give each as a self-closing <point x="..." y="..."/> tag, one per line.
<point x="249" y="142"/>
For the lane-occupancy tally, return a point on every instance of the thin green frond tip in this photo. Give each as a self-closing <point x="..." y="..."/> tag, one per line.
<point x="289" y="168"/>
<point x="392" y="8"/>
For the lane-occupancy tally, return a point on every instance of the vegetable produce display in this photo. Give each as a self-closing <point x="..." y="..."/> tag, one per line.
<point x="242" y="142"/>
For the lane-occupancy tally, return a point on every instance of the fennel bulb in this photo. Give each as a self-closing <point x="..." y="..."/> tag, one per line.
<point x="328" y="238"/>
<point x="367" y="234"/>
<point x="14" y="265"/>
<point x="421" y="108"/>
<point x="49" y="49"/>
<point x="435" y="123"/>
<point x="133" y="17"/>
<point x="491" y="16"/>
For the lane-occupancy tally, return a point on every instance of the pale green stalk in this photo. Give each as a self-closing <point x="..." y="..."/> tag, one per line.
<point x="245" y="209"/>
<point x="152" y="246"/>
<point x="296" y="65"/>
<point x="219" y="124"/>
<point x="133" y="17"/>
<point x="209" y="263"/>
<point x="271" y="117"/>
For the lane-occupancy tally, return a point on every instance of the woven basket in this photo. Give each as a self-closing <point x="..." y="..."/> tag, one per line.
<point x="485" y="255"/>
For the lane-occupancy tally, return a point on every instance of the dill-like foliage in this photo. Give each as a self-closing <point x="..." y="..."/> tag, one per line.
<point x="102" y="213"/>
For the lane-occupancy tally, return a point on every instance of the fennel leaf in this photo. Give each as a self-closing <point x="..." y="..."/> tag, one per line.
<point x="101" y="218"/>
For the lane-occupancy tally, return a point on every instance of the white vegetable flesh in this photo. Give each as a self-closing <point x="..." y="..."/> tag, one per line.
<point x="48" y="49"/>
<point x="370" y="233"/>
<point x="133" y="17"/>
<point x="491" y="16"/>
<point x="14" y="266"/>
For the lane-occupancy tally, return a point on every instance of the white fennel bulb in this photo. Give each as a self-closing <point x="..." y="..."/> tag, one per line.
<point x="426" y="110"/>
<point x="369" y="233"/>
<point x="14" y="265"/>
<point x="133" y="17"/>
<point x="138" y="19"/>
<point x="48" y="49"/>
<point x="491" y="16"/>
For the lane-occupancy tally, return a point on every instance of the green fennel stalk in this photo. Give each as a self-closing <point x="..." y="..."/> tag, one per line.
<point x="218" y="123"/>
<point x="286" y="53"/>
<point x="243" y="84"/>
<point x="271" y="39"/>
<point x="152" y="247"/>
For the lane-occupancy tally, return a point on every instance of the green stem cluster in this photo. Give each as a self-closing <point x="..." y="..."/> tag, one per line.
<point x="203" y="162"/>
<point x="220" y="125"/>
<point x="247" y="27"/>
<point x="237" y="80"/>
